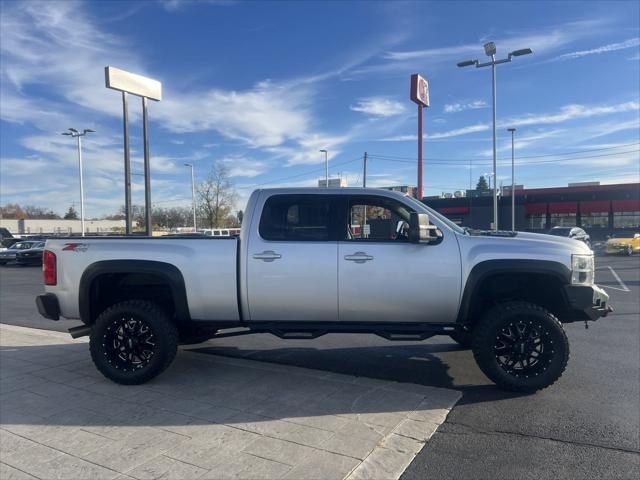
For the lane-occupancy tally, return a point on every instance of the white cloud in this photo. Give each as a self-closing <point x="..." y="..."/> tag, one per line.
<point x="459" y="107"/>
<point x="239" y="166"/>
<point x="540" y="42"/>
<point x="611" y="47"/>
<point x="174" y="5"/>
<point x="571" y="112"/>
<point x="379" y="106"/>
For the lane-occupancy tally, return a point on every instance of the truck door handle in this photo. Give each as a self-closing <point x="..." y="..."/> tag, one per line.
<point x="267" y="256"/>
<point x="358" y="257"/>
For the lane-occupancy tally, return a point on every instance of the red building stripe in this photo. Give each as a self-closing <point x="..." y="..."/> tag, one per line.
<point x="595" y="206"/>
<point x="453" y="210"/>
<point x="630" y="205"/>
<point x="563" y="207"/>
<point x="535" y="208"/>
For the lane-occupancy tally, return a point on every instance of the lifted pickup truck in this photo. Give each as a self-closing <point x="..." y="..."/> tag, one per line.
<point x="315" y="261"/>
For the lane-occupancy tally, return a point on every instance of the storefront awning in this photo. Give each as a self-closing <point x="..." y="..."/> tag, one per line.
<point x="630" y="205"/>
<point x="535" y="208"/>
<point x="595" y="206"/>
<point x="563" y="207"/>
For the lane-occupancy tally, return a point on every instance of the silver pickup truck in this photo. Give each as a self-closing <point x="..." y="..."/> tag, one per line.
<point x="315" y="261"/>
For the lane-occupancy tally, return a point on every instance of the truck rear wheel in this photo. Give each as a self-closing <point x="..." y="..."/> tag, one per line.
<point x="521" y="346"/>
<point x="133" y="341"/>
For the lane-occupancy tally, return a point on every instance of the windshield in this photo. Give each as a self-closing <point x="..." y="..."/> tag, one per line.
<point x="560" y="232"/>
<point x="442" y="218"/>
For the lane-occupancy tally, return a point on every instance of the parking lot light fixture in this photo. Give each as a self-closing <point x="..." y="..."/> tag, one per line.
<point x="77" y="135"/>
<point x="513" y="181"/>
<point x="326" y="167"/>
<point x="193" y="195"/>
<point x="490" y="50"/>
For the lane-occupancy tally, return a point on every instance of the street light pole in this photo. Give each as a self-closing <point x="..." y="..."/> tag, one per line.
<point x="193" y="195"/>
<point x="78" y="135"/>
<point x="490" y="51"/>
<point x="513" y="181"/>
<point x="326" y="167"/>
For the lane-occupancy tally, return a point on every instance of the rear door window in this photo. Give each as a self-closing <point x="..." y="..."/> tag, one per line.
<point x="298" y="218"/>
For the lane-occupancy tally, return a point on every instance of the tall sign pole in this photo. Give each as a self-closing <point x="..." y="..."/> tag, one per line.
<point x="420" y="107"/>
<point x="127" y="164"/>
<point x="147" y="88"/>
<point x="419" y="94"/>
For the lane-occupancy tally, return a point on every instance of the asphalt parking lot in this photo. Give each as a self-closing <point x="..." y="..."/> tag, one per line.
<point x="585" y="426"/>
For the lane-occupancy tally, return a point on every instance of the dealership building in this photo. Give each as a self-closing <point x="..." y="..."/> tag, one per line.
<point x="599" y="209"/>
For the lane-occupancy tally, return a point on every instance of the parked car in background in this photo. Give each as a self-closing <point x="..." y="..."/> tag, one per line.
<point x="6" y="239"/>
<point x="30" y="256"/>
<point x="9" y="255"/>
<point x="571" y="232"/>
<point x="622" y="243"/>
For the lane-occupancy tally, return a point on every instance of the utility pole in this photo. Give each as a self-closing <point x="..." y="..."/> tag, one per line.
<point x="326" y="167"/>
<point x="513" y="181"/>
<point x="364" y="172"/>
<point x="76" y="134"/>
<point x="490" y="51"/>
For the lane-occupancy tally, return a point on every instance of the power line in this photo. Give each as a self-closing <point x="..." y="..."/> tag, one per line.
<point x="504" y="162"/>
<point x="508" y="159"/>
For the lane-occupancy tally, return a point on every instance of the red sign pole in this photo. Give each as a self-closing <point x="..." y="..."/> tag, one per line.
<point x="419" y="152"/>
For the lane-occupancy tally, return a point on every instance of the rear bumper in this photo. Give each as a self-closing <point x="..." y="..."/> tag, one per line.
<point x="48" y="306"/>
<point x="590" y="301"/>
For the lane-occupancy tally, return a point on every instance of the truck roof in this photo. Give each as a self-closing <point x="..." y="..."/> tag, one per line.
<point x="334" y="191"/>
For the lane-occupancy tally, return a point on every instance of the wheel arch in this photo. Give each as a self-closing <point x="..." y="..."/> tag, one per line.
<point x="549" y="276"/>
<point x="106" y="280"/>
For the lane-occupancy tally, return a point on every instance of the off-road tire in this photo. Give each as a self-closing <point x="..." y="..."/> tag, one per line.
<point x="488" y="338"/>
<point x="462" y="338"/>
<point x="165" y="336"/>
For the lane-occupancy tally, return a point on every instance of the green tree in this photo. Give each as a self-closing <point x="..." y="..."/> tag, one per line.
<point x="482" y="185"/>
<point x="71" y="214"/>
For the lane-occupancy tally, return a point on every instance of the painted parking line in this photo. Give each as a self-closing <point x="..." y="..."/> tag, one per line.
<point x="623" y="287"/>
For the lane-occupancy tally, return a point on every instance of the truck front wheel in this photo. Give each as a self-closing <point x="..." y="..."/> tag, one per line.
<point x="521" y="346"/>
<point x="133" y="341"/>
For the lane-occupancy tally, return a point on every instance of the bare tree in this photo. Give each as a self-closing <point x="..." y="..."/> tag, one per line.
<point x="216" y="197"/>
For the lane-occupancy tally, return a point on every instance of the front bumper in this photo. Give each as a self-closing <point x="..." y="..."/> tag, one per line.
<point x="48" y="306"/>
<point x="590" y="301"/>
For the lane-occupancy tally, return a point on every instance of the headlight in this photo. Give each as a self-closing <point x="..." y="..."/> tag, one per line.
<point x="582" y="269"/>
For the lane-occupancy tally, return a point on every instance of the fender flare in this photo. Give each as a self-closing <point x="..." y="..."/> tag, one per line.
<point x="483" y="270"/>
<point x="164" y="270"/>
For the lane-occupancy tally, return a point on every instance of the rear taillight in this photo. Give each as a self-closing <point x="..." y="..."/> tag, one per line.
<point x="49" y="268"/>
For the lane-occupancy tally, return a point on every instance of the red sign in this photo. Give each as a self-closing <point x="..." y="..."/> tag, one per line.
<point x="419" y="90"/>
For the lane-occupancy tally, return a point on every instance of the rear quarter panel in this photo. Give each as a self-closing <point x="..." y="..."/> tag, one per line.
<point x="208" y="267"/>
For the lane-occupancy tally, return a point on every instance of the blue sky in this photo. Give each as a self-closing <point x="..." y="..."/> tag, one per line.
<point x="262" y="86"/>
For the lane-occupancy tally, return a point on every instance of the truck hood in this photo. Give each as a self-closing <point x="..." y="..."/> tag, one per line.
<point x="480" y="246"/>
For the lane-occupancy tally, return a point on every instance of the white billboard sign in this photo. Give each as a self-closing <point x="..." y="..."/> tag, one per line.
<point x="132" y="83"/>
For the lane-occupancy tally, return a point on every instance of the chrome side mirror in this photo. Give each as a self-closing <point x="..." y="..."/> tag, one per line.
<point x="419" y="228"/>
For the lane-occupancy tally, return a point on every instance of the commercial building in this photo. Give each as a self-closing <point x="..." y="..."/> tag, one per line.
<point x="599" y="209"/>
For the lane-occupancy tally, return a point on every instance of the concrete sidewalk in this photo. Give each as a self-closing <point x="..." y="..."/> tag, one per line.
<point x="206" y="417"/>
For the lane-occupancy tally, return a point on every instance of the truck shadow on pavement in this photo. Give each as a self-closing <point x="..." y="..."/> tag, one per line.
<point x="57" y="384"/>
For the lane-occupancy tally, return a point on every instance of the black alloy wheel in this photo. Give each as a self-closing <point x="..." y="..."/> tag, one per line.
<point x="133" y="341"/>
<point x="523" y="348"/>
<point x="520" y="346"/>
<point x="129" y="343"/>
